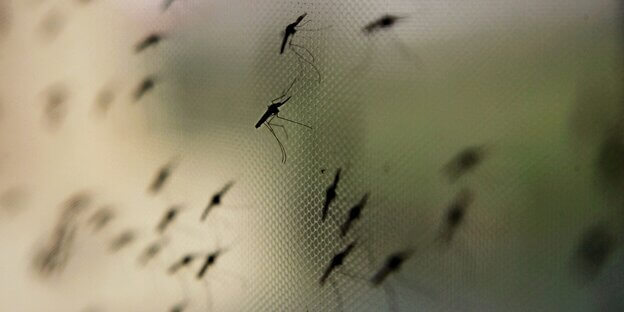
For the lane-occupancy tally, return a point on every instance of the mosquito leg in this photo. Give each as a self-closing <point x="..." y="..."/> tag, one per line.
<point x="391" y="294"/>
<point x="338" y="296"/>
<point x="304" y="48"/>
<point x="295" y="122"/>
<point x="278" y="142"/>
<point x="301" y="58"/>
<point x="282" y="127"/>
<point x="285" y="92"/>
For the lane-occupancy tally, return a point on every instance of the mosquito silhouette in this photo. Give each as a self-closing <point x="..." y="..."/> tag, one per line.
<point x="272" y="112"/>
<point x="386" y="21"/>
<point x="289" y="34"/>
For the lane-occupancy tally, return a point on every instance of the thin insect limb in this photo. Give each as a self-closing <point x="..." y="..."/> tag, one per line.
<point x="295" y="122"/>
<point x="282" y="127"/>
<point x="391" y="297"/>
<point x="278" y="142"/>
<point x="407" y="51"/>
<point x="305" y="49"/>
<point x="314" y="29"/>
<point x="338" y="295"/>
<point x="285" y="92"/>
<point x="301" y="58"/>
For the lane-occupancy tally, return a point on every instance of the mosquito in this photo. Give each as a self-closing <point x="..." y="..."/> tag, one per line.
<point x="289" y="34"/>
<point x="161" y="177"/>
<point x="467" y="160"/>
<point x="330" y="194"/>
<point x="168" y="218"/>
<point x="210" y="260"/>
<point x="354" y="214"/>
<point x="336" y="262"/>
<point x="386" y="21"/>
<point x="215" y="200"/>
<point x="272" y="112"/>
<point x="101" y="218"/>
<point x="594" y="250"/>
<point x="456" y="213"/>
<point x="146" y="85"/>
<point x="122" y="240"/>
<point x="151" y="251"/>
<point x="151" y="40"/>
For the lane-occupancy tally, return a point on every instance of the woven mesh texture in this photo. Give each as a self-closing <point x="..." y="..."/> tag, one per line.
<point x="537" y="83"/>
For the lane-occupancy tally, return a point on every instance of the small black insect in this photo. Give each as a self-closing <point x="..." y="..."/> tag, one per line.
<point x="215" y="200"/>
<point x="151" y="40"/>
<point x="289" y="34"/>
<point x="122" y="240"/>
<point x="161" y="177"/>
<point x="290" y="31"/>
<point x="596" y="246"/>
<point x="455" y="214"/>
<point x="354" y="214"/>
<point x="392" y="264"/>
<point x="466" y="161"/>
<point x="184" y="261"/>
<point x="273" y="112"/>
<point x="210" y="260"/>
<point x="169" y="216"/>
<point x="330" y="195"/>
<point x="145" y="86"/>
<point x="101" y="218"/>
<point x="336" y="262"/>
<point x="385" y="21"/>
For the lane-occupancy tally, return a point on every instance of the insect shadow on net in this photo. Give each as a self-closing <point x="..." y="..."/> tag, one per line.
<point x="304" y="55"/>
<point x="272" y="113"/>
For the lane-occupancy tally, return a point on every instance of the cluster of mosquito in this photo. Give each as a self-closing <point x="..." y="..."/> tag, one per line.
<point x="466" y="161"/>
<point x="304" y="55"/>
<point x="53" y="256"/>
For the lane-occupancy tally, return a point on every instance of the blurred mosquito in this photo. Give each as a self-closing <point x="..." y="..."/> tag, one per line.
<point x="215" y="200"/>
<point x="330" y="195"/>
<point x="272" y="112"/>
<point x="337" y="261"/>
<point x="101" y="218"/>
<point x="464" y="162"/>
<point x="455" y="214"/>
<point x="391" y="266"/>
<point x="54" y="256"/>
<point x="55" y="108"/>
<point x="287" y="40"/>
<point x="122" y="240"/>
<point x="146" y="85"/>
<point x="593" y="251"/>
<point x="161" y="177"/>
<point x="152" y="251"/>
<point x="384" y="22"/>
<point x="168" y="218"/>
<point x="149" y="41"/>
<point x="354" y="214"/>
